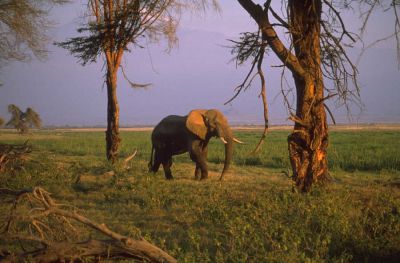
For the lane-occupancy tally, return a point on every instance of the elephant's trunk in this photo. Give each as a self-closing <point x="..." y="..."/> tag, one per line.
<point x="227" y="136"/>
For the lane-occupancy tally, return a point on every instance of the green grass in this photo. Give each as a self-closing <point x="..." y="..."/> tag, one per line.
<point x="253" y="216"/>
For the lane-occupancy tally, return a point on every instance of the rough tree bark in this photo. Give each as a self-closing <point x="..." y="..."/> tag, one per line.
<point x="112" y="134"/>
<point x="309" y="141"/>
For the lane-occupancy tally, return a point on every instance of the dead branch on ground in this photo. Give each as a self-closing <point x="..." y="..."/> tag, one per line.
<point x="46" y="231"/>
<point x="128" y="159"/>
<point x="12" y="156"/>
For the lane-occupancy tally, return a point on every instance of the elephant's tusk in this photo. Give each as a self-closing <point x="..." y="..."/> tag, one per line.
<point x="223" y="140"/>
<point x="237" y="141"/>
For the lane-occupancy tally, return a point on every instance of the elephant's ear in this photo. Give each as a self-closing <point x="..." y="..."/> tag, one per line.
<point x="195" y="123"/>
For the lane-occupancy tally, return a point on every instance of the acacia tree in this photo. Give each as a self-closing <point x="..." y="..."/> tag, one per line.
<point x="113" y="26"/>
<point x="315" y="54"/>
<point x="22" y="121"/>
<point x="23" y="26"/>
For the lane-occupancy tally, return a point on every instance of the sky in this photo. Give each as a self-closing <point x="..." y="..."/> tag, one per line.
<point x="199" y="73"/>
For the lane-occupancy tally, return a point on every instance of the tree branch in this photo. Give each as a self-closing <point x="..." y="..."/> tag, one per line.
<point x="288" y="59"/>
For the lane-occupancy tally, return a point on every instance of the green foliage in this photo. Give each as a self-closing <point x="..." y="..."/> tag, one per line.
<point x="348" y="151"/>
<point x="252" y="216"/>
<point x="365" y="151"/>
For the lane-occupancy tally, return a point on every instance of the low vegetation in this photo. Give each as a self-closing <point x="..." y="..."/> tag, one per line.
<point x="253" y="216"/>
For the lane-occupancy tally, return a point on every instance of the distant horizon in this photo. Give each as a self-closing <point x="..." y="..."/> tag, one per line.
<point x="233" y="125"/>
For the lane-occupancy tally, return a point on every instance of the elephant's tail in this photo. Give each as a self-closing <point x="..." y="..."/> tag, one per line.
<point x="151" y="163"/>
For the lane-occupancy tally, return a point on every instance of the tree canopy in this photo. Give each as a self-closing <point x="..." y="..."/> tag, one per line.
<point x="115" y="24"/>
<point x="23" y="29"/>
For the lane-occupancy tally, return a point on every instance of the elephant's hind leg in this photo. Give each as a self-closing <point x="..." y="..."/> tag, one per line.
<point x="197" y="172"/>
<point x="156" y="162"/>
<point x="167" y="163"/>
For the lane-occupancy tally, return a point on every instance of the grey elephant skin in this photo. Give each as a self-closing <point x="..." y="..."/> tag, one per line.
<point x="192" y="133"/>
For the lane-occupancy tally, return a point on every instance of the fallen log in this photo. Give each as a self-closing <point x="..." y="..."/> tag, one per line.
<point x="48" y="229"/>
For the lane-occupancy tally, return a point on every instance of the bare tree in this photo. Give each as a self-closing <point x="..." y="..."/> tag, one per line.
<point x="315" y="53"/>
<point x="22" y="121"/>
<point x="23" y="26"/>
<point x="113" y="26"/>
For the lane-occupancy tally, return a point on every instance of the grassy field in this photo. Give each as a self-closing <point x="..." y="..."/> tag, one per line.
<point x="252" y="216"/>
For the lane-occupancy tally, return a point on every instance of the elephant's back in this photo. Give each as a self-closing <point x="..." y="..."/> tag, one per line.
<point x="171" y="125"/>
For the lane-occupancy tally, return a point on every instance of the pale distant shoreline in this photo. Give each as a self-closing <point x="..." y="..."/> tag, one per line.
<point x="338" y="127"/>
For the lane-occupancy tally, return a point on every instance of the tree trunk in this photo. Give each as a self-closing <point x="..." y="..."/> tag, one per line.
<point x="309" y="141"/>
<point x="112" y="134"/>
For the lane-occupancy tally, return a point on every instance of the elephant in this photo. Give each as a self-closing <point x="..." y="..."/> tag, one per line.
<point x="191" y="133"/>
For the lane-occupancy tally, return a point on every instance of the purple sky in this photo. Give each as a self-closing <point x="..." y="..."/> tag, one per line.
<point x="197" y="74"/>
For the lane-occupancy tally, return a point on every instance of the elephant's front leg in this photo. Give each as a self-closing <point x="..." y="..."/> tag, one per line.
<point x="198" y="154"/>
